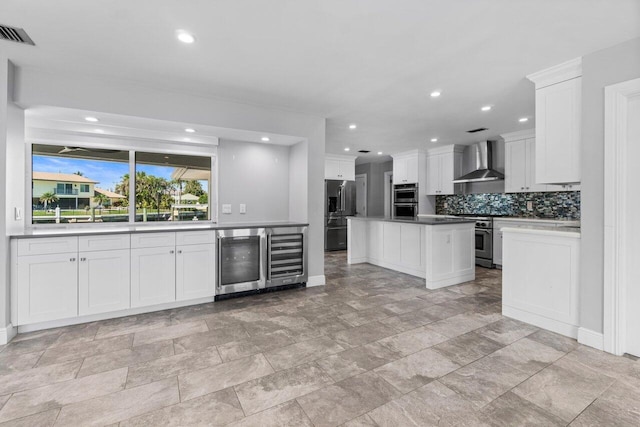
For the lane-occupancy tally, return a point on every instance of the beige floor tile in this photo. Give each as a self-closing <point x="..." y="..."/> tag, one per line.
<point x="38" y="377"/>
<point x="84" y="349"/>
<point x="484" y="380"/>
<point x="21" y="345"/>
<point x="361" y="335"/>
<point x="348" y="399"/>
<point x="527" y="355"/>
<point x="43" y="419"/>
<point x="122" y="405"/>
<point x="416" y="370"/>
<point x="204" y="340"/>
<point x="149" y="336"/>
<point x="219" y="377"/>
<point x="14" y="363"/>
<point x="164" y="367"/>
<point x="356" y="360"/>
<point x="289" y="414"/>
<point x="238" y="349"/>
<point x="63" y="393"/>
<point x="214" y="409"/>
<point x="126" y="357"/>
<point x="81" y="333"/>
<point x="265" y="392"/>
<point x="363" y="317"/>
<point x="564" y="389"/>
<point x="462" y="323"/>
<point x="412" y="341"/>
<point x="133" y="324"/>
<point x="467" y="348"/>
<point x="506" y="331"/>
<point x="553" y="340"/>
<point x="511" y="410"/>
<point x="362" y="421"/>
<point x="302" y="352"/>
<point x="613" y="366"/>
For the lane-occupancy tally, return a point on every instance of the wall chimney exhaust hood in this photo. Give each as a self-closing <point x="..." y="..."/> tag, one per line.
<point x="484" y="165"/>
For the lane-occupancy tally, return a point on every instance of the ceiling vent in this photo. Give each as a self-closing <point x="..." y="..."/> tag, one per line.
<point x="17" y="35"/>
<point x="364" y="151"/>
<point x="477" y="130"/>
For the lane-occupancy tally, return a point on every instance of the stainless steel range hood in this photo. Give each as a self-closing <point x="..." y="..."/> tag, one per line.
<point x="484" y="165"/>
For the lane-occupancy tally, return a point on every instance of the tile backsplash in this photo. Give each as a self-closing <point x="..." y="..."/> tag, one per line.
<point x="560" y="205"/>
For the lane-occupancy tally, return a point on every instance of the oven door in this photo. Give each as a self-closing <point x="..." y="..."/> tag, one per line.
<point x="405" y="210"/>
<point x="405" y="195"/>
<point x="241" y="260"/>
<point x="484" y="244"/>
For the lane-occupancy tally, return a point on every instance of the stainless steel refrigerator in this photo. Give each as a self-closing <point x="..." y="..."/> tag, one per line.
<point x="340" y="202"/>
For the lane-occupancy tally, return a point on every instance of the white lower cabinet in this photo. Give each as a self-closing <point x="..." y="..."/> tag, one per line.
<point x="153" y="276"/>
<point x="195" y="271"/>
<point x="103" y="281"/>
<point x="47" y="287"/>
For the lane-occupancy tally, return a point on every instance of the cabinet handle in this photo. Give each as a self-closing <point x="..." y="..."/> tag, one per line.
<point x="83" y="259"/>
<point x="522" y="188"/>
<point x="179" y="252"/>
<point x="527" y="188"/>
<point x="72" y="259"/>
<point x="171" y="252"/>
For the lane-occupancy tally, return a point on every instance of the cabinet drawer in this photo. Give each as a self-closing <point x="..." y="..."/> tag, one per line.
<point x="195" y="237"/>
<point x="47" y="245"/>
<point x="152" y="240"/>
<point x="103" y="243"/>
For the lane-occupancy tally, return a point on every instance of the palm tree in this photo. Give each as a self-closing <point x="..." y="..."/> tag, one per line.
<point x="101" y="199"/>
<point x="48" y="198"/>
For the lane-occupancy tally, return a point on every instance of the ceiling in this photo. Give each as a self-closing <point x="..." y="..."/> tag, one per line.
<point x="369" y="62"/>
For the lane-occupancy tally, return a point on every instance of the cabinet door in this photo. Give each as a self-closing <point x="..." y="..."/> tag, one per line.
<point x="399" y="171"/>
<point x="412" y="170"/>
<point x="411" y="250"/>
<point x="433" y="175"/>
<point x="515" y="179"/>
<point x="104" y="278"/>
<point x="447" y="174"/>
<point x="47" y="287"/>
<point x="195" y="271"/>
<point x="532" y="186"/>
<point x="558" y="110"/>
<point x="331" y="169"/>
<point x="153" y="276"/>
<point x="347" y="170"/>
<point x="497" y="242"/>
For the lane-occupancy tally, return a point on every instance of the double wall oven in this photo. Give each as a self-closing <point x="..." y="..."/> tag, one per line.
<point x="405" y="201"/>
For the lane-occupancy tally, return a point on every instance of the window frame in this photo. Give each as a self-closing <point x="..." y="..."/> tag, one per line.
<point x="210" y="152"/>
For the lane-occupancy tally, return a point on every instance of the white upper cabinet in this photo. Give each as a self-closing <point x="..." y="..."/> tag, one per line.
<point x="340" y="167"/>
<point x="520" y="162"/>
<point x="406" y="167"/>
<point x="444" y="164"/>
<point x="558" y="121"/>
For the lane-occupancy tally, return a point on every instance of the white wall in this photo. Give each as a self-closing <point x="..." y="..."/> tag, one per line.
<point x="603" y="68"/>
<point x="298" y="182"/>
<point x="256" y="175"/>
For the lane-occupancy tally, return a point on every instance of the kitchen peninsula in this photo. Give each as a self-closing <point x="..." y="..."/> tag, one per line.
<point x="440" y="250"/>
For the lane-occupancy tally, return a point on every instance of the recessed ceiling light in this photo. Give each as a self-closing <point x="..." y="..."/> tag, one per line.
<point x="379" y="153"/>
<point x="265" y="139"/>
<point x="486" y="108"/>
<point x="185" y="37"/>
<point x="523" y="119"/>
<point x="435" y="94"/>
<point x="434" y="139"/>
<point x="353" y="126"/>
<point x="347" y="149"/>
<point x="99" y="131"/>
<point x="189" y="130"/>
<point x="91" y="119"/>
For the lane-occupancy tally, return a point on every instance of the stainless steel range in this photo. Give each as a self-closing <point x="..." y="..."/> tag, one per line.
<point x="484" y="240"/>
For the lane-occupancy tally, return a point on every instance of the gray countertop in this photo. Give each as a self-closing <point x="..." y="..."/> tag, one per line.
<point x="419" y="221"/>
<point x="69" y="230"/>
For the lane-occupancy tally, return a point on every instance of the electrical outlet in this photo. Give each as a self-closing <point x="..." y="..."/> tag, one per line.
<point x="243" y="208"/>
<point x="446" y="205"/>
<point x="226" y="209"/>
<point x="529" y="206"/>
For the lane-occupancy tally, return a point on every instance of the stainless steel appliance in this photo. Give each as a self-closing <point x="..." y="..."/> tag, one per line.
<point x="484" y="240"/>
<point x="241" y="260"/>
<point x="340" y="202"/>
<point x="405" y="201"/>
<point x="484" y="165"/>
<point x="286" y="256"/>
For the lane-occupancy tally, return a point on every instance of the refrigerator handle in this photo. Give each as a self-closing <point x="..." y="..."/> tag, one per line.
<point x="339" y="208"/>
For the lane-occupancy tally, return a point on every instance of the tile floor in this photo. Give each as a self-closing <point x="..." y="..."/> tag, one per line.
<point x="372" y="348"/>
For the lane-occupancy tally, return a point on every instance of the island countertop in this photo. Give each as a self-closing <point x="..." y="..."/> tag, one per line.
<point x="418" y="221"/>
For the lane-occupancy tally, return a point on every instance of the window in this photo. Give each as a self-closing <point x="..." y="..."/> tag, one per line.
<point x="172" y="187"/>
<point x="78" y="185"/>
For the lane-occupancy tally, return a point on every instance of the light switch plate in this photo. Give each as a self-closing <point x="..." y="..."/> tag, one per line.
<point x="529" y="206"/>
<point x="226" y="209"/>
<point x="243" y="208"/>
<point x="18" y="214"/>
<point x="446" y="205"/>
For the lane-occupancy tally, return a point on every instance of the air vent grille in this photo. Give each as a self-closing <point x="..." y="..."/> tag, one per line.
<point x="364" y="151"/>
<point x="477" y="130"/>
<point x="17" y="35"/>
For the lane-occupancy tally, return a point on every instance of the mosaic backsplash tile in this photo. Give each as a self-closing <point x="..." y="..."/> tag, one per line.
<point x="557" y="205"/>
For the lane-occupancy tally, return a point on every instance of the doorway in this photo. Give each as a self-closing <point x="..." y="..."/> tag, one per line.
<point x="621" y="229"/>
<point x="388" y="191"/>
<point x="361" y="194"/>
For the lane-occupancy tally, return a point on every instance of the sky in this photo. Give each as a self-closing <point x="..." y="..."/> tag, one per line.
<point x="108" y="174"/>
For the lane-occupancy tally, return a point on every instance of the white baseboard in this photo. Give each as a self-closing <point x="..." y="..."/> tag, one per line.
<point x="319" y="280"/>
<point x="543" y="322"/>
<point x="437" y="284"/>
<point x="591" y="338"/>
<point x="7" y="333"/>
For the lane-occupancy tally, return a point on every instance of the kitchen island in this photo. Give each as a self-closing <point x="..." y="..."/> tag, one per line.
<point x="440" y="250"/>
